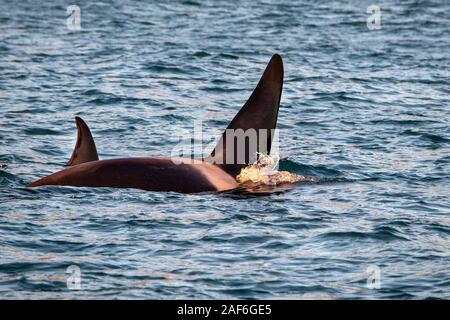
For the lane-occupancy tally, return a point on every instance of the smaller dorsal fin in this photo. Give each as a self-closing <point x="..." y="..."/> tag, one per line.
<point x="85" y="150"/>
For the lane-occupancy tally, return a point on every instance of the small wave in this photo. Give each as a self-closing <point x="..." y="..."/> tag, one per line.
<point x="429" y="137"/>
<point x="159" y="68"/>
<point x="227" y="56"/>
<point x="322" y="172"/>
<point x="201" y="54"/>
<point x="403" y="122"/>
<point x="6" y="178"/>
<point x="382" y="233"/>
<point x="41" y="132"/>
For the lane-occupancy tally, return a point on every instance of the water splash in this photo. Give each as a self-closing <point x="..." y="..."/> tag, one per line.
<point x="264" y="171"/>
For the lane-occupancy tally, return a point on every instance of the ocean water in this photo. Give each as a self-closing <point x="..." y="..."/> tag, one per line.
<point x="364" y="112"/>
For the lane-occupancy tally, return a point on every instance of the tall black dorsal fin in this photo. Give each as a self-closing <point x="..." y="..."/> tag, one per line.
<point x="85" y="150"/>
<point x="259" y="112"/>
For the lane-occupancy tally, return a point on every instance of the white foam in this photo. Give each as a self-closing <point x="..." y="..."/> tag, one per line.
<point x="264" y="172"/>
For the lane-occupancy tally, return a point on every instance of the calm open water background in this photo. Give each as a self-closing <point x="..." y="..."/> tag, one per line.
<point x="366" y="112"/>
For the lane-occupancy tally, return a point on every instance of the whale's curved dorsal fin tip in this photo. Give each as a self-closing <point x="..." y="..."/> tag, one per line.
<point x="259" y="112"/>
<point x="85" y="150"/>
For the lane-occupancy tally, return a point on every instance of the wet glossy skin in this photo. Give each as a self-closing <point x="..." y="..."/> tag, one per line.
<point x="152" y="174"/>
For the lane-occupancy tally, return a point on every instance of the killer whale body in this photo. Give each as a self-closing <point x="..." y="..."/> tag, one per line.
<point x="181" y="174"/>
<point x="151" y="174"/>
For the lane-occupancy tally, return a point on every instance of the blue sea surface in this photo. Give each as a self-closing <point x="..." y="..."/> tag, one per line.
<point x="365" y="112"/>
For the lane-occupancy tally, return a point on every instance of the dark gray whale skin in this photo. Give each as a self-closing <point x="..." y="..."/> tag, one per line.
<point x="178" y="175"/>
